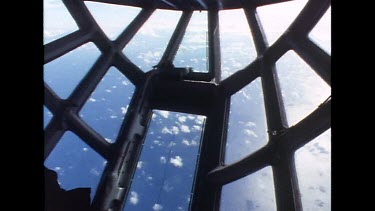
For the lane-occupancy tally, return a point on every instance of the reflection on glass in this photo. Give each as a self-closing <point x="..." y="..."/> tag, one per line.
<point x="148" y="45"/>
<point x="313" y="164"/>
<point x="107" y="106"/>
<point x="251" y="193"/>
<point x="276" y="18"/>
<point x="166" y="167"/>
<point x="193" y="49"/>
<point x="247" y="122"/>
<point x="52" y="29"/>
<point x="113" y="19"/>
<point x="302" y="89"/>
<point x="321" y="33"/>
<point x="236" y="42"/>
<point x="47" y="116"/>
<point x="64" y="74"/>
<point x="76" y="164"/>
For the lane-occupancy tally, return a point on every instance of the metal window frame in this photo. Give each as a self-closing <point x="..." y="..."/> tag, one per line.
<point x="169" y="88"/>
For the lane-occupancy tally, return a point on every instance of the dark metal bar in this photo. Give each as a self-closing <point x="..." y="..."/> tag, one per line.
<point x="52" y="134"/>
<point x="88" y="135"/>
<point x="207" y="195"/>
<point x="125" y="37"/>
<point x="128" y="68"/>
<point x="176" y="39"/>
<point x="275" y="112"/>
<point x="88" y="84"/>
<point x="51" y="100"/>
<point x="241" y="78"/>
<point x="115" y="183"/>
<point x="287" y="193"/>
<point x="80" y="14"/>
<point x="248" y="165"/>
<point x="65" y="44"/>
<point x="309" y="17"/>
<point x="314" y="56"/>
<point x="214" y="57"/>
<point x="309" y="128"/>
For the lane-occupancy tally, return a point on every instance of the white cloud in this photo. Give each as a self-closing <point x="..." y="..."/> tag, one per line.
<point x="157" y="207"/>
<point x="134" y="198"/>
<point x="185" y="129"/>
<point x="85" y="149"/>
<point x="95" y="172"/>
<point x="191" y="143"/>
<point x="163" y="159"/>
<point x="191" y="117"/>
<point x="182" y="119"/>
<point x="124" y="109"/>
<point x="166" y="130"/>
<point x="164" y="114"/>
<point x="250" y="124"/>
<point x="139" y="164"/>
<point x="57" y="168"/>
<point x="92" y="99"/>
<point x="199" y="120"/>
<point x="167" y="187"/>
<point x="177" y="161"/>
<point x="250" y="133"/>
<point x="196" y="128"/>
<point x="109" y="140"/>
<point x="175" y="130"/>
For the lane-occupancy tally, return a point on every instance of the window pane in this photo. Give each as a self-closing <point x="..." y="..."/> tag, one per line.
<point x="148" y="45"/>
<point x="63" y="74"/>
<point x="321" y="33"/>
<point x="247" y="122"/>
<point x="193" y="49"/>
<point x="302" y="89"/>
<point x="313" y="164"/>
<point x="113" y="19"/>
<point x="276" y="18"/>
<point x="76" y="164"/>
<point x="166" y="167"/>
<point x="254" y="192"/>
<point x="105" y="109"/>
<point x="57" y="21"/>
<point x="236" y="42"/>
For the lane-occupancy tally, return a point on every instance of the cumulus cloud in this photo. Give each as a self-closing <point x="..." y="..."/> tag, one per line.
<point x="157" y="207"/>
<point x="185" y="129"/>
<point x="164" y="114"/>
<point x="250" y="133"/>
<point x="177" y="161"/>
<point x="139" y="164"/>
<point x="182" y="119"/>
<point x="175" y="130"/>
<point x="134" y="198"/>
<point x="85" y="149"/>
<point x="165" y="130"/>
<point x="250" y="124"/>
<point x="191" y="143"/>
<point x="163" y="159"/>
<point x="124" y="109"/>
<point x="199" y="120"/>
<point x="196" y="128"/>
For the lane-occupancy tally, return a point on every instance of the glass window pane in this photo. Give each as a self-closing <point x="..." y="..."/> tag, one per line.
<point x="113" y="19"/>
<point x="47" y="116"/>
<point x="57" y="21"/>
<point x="247" y="122"/>
<point x="236" y="42"/>
<point x="276" y="18"/>
<point x="148" y="45"/>
<point x="302" y="89"/>
<point x="76" y="164"/>
<point x="254" y="192"/>
<point x="193" y="49"/>
<point x="313" y="164"/>
<point x="166" y="167"/>
<point x="321" y="33"/>
<point x="104" y="111"/>
<point x="63" y="74"/>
